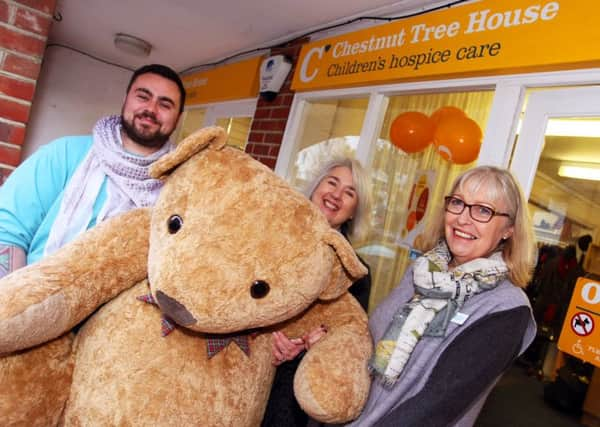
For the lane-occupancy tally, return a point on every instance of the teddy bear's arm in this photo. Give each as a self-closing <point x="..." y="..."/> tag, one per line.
<point x="332" y="382"/>
<point x="46" y="299"/>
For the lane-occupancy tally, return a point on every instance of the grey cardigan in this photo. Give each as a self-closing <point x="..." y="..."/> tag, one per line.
<point x="460" y="368"/>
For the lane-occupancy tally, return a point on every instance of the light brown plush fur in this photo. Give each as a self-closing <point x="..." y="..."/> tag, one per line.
<point x="240" y="224"/>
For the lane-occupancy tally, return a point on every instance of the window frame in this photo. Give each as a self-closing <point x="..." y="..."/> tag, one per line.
<point x="503" y="119"/>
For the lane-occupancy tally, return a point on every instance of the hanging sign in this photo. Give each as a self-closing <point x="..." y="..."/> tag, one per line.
<point x="478" y="38"/>
<point x="228" y="82"/>
<point x="580" y="335"/>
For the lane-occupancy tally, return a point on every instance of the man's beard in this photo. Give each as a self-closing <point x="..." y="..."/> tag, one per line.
<point x="151" y="140"/>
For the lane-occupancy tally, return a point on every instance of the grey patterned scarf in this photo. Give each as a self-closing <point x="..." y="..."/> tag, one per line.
<point x="128" y="183"/>
<point x="439" y="294"/>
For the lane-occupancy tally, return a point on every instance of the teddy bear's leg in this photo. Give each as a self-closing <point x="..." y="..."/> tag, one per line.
<point x="35" y="384"/>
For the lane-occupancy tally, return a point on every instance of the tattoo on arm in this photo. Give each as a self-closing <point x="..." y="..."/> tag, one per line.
<point x="11" y="258"/>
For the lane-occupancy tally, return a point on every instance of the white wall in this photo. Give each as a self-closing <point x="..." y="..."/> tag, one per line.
<point x="72" y="93"/>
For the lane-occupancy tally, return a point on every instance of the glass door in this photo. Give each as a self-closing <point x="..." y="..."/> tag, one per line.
<point x="557" y="161"/>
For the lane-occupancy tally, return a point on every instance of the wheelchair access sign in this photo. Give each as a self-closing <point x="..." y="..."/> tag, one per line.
<point x="580" y="335"/>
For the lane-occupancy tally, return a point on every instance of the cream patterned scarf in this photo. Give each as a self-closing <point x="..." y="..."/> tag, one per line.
<point x="128" y="186"/>
<point x="439" y="293"/>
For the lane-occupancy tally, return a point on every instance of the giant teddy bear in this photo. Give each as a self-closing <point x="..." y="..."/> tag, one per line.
<point x="175" y="305"/>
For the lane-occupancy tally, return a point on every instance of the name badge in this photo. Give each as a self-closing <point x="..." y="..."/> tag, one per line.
<point x="459" y="318"/>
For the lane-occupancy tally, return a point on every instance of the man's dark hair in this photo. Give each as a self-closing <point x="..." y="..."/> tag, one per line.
<point x="163" y="71"/>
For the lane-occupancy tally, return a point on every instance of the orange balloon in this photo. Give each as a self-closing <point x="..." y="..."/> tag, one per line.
<point x="458" y="139"/>
<point x="447" y="111"/>
<point x="411" y="131"/>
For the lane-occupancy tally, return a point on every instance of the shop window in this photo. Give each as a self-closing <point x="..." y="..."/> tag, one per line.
<point x="330" y="128"/>
<point x="408" y="187"/>
<point x="238" y="129"/>
<point x="190" y="121"/>
<point x="233" y="116"/>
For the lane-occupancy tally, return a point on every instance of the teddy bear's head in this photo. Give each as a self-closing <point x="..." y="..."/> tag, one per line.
<point x="233" y="246"/>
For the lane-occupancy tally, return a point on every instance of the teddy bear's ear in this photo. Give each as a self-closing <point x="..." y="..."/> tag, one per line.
<point x="347" y="267"/>
<point x="212" y="137"/>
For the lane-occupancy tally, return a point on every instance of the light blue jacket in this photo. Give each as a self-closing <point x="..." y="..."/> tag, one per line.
<point x="31" y="196"/>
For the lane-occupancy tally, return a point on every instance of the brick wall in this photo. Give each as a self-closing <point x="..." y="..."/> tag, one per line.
<point x="271" y="117"/>
<point x="24" y="27"/>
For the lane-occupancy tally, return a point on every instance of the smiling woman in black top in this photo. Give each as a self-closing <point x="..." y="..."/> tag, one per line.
<point x="341" y="193"/>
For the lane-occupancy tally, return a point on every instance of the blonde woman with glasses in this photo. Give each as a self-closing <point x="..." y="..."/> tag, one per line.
<point x="459" y="317"/>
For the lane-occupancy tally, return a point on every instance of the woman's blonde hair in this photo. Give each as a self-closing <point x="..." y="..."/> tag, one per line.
<point x="357" y="226"/>
<point x="518" y="251"/>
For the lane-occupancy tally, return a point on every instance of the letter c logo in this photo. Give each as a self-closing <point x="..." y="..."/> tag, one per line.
<point x="304" y="77"/>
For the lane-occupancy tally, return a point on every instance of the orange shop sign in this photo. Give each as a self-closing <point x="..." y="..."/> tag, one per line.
<point x="484" y="37"/>
<point x="580" y="335"/>
<point x="228" y="82"/>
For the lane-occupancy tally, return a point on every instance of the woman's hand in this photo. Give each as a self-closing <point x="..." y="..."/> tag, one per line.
<point x="285" y="349"/>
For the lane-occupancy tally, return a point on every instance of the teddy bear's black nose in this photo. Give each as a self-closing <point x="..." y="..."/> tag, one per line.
<point x="259" y="289"/>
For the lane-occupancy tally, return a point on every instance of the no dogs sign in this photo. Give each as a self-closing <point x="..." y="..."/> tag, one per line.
<point x="580" y="334"/>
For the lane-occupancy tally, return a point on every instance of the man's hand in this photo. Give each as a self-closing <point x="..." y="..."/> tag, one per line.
<point x="11" y="259"/>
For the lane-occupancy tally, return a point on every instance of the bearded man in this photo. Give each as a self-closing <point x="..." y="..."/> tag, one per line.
<point x="75" y="182"/>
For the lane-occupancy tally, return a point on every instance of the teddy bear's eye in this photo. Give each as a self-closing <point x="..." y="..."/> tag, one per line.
<point x="259" y="289"/>
<point x="174" y="224"/>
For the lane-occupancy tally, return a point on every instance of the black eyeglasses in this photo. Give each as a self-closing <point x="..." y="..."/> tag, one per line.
<point x="479" y="213"/>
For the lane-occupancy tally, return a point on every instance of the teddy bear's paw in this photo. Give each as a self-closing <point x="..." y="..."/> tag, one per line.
<point x="331" y="391"/>
<point x="32" y="315"/>
<point x="332" y="400"/>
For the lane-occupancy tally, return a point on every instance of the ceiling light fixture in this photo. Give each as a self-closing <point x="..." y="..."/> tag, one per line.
<point x="589" y="128"/>
<point x="132" y="45"/>
<point x="585" y="128"/>
<point x="590" y="171"/>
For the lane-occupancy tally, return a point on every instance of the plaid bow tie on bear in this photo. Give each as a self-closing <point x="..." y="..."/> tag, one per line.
<point x="214" y="343"/>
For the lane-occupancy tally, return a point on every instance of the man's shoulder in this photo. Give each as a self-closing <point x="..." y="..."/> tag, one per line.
<point x="67" y="148"/>
<point x="72" y="142"/>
